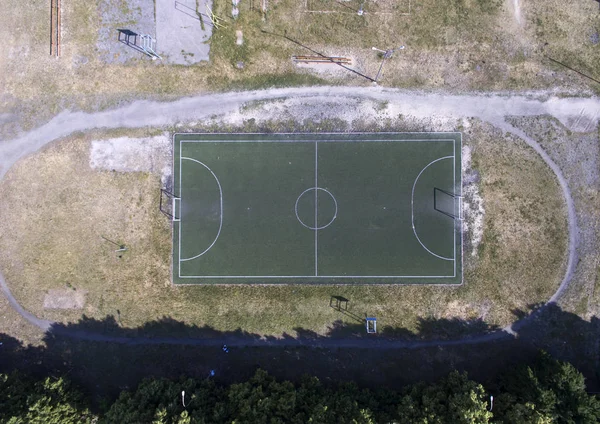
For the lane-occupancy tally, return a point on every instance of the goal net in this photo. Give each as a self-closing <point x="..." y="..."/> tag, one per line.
<point x="170" y="205"/>
<point x="449" y="204"/>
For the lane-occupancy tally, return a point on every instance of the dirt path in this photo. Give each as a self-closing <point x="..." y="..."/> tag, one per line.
<point x="516" y="9"/>
<point x="572" y="218"/>
<point x="42" y="324"/>
<point x="577" y="114"/>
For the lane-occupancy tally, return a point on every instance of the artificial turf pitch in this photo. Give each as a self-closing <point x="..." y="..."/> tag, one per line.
<point x="368" y="208"/>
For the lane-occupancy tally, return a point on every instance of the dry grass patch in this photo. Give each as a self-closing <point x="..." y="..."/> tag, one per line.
<point x="523" y="253"/>
<point x="456" y="44"/>
<point x="53" y="241"/>
<point x="59" y="243"/>
<point x="578" y="155"/>
<point x="14" y="325"/>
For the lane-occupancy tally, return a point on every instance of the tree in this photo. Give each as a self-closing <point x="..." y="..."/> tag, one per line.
<point x="453" y="400"/>
<point x="261" y="399"/>
<point x="548" y="390"/>
<point x="52" y="400"/>
<point x="160" y="401"/>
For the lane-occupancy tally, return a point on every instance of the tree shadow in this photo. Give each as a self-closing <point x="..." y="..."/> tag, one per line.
<point x="104" y="357"/>
<point x="453" y="328"/>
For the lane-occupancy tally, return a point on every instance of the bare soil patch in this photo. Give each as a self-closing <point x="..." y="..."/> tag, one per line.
<point x="125" y="154"/>
<point x="64" y="299"/>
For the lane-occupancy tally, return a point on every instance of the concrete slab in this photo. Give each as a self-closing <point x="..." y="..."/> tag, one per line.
<point x="65" y="299"/>
<point x="183" y="29"/>
<point x="136" y="16"/>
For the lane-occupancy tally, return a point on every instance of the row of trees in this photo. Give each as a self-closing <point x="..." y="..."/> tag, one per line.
<point x="547" y="391"/>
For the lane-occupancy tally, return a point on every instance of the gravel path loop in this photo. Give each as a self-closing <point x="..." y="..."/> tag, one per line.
<point x="577" y="114"/>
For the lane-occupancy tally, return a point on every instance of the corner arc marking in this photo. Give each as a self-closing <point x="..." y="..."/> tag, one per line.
<point x="221" y="212"/>
<point x="412" y="208"/>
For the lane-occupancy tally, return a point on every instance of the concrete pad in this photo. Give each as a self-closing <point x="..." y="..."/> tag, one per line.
<point x="124" y="154"/>
<point x="65" y="299"/>
<point x="133" y="15"/>
<point x="183" y="31"/>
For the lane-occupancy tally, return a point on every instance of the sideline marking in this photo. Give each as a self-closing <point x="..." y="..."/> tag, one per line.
<point x="412" y="212"/>
<point x="318" y="276"/>
<point x="332" y="140"/>
<point x="308" y="141"/>
<point x="221" y="213"/>
<point x="316" y="208"/>
<point x="459" y="202"/>
<point x="179" y="226"/>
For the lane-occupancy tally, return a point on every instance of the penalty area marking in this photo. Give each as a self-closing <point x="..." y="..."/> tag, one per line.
<point x="220" y="217"/>
<point x="412" y="209"/>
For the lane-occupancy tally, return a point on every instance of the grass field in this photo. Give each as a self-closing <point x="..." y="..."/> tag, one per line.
<point x="317" y="208"/>
<point x="52" y="241"/>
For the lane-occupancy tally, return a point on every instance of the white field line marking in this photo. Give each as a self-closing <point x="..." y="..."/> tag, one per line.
<point x="316" y="276"/>
<point x="180" y="190"/>
<point x="454" y="191"/>
<point x="412" y="208"/>
<point x="316" y="208"/>
<point x="423" y="140"/>
<point x="308" y="141"/>
<point x="461" y="221"/>
<point x="334" y="214"/>
<point x="221" y="211"/>
<point x="328" y="133"/>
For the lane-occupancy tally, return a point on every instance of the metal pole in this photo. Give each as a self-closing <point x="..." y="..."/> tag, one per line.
<point x="57" y="28"/>
<point x="386" y="55"/>
<point x="110" y="241"/>
<point x="380" y="67"/>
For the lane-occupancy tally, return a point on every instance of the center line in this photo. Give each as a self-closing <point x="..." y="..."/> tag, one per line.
<point x="316" y="208"/>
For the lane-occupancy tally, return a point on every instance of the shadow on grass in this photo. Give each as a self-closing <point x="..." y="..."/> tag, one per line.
<point x="171" y="331"/>
<point x="103" y="358"/>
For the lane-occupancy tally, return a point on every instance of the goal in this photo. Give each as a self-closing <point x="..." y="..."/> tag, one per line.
<point x="170" y="205"/>
<point x="450" y="204"/>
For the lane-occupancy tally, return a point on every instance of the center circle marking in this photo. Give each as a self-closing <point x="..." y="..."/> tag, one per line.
<point x="311" y="189"/>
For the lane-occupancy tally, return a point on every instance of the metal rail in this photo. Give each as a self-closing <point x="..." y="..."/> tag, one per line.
<point x="55" y="28"/>
<point x="322" y="59"/>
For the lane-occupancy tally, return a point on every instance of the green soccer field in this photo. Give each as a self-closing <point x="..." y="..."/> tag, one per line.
<point x="379" y="208"/>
